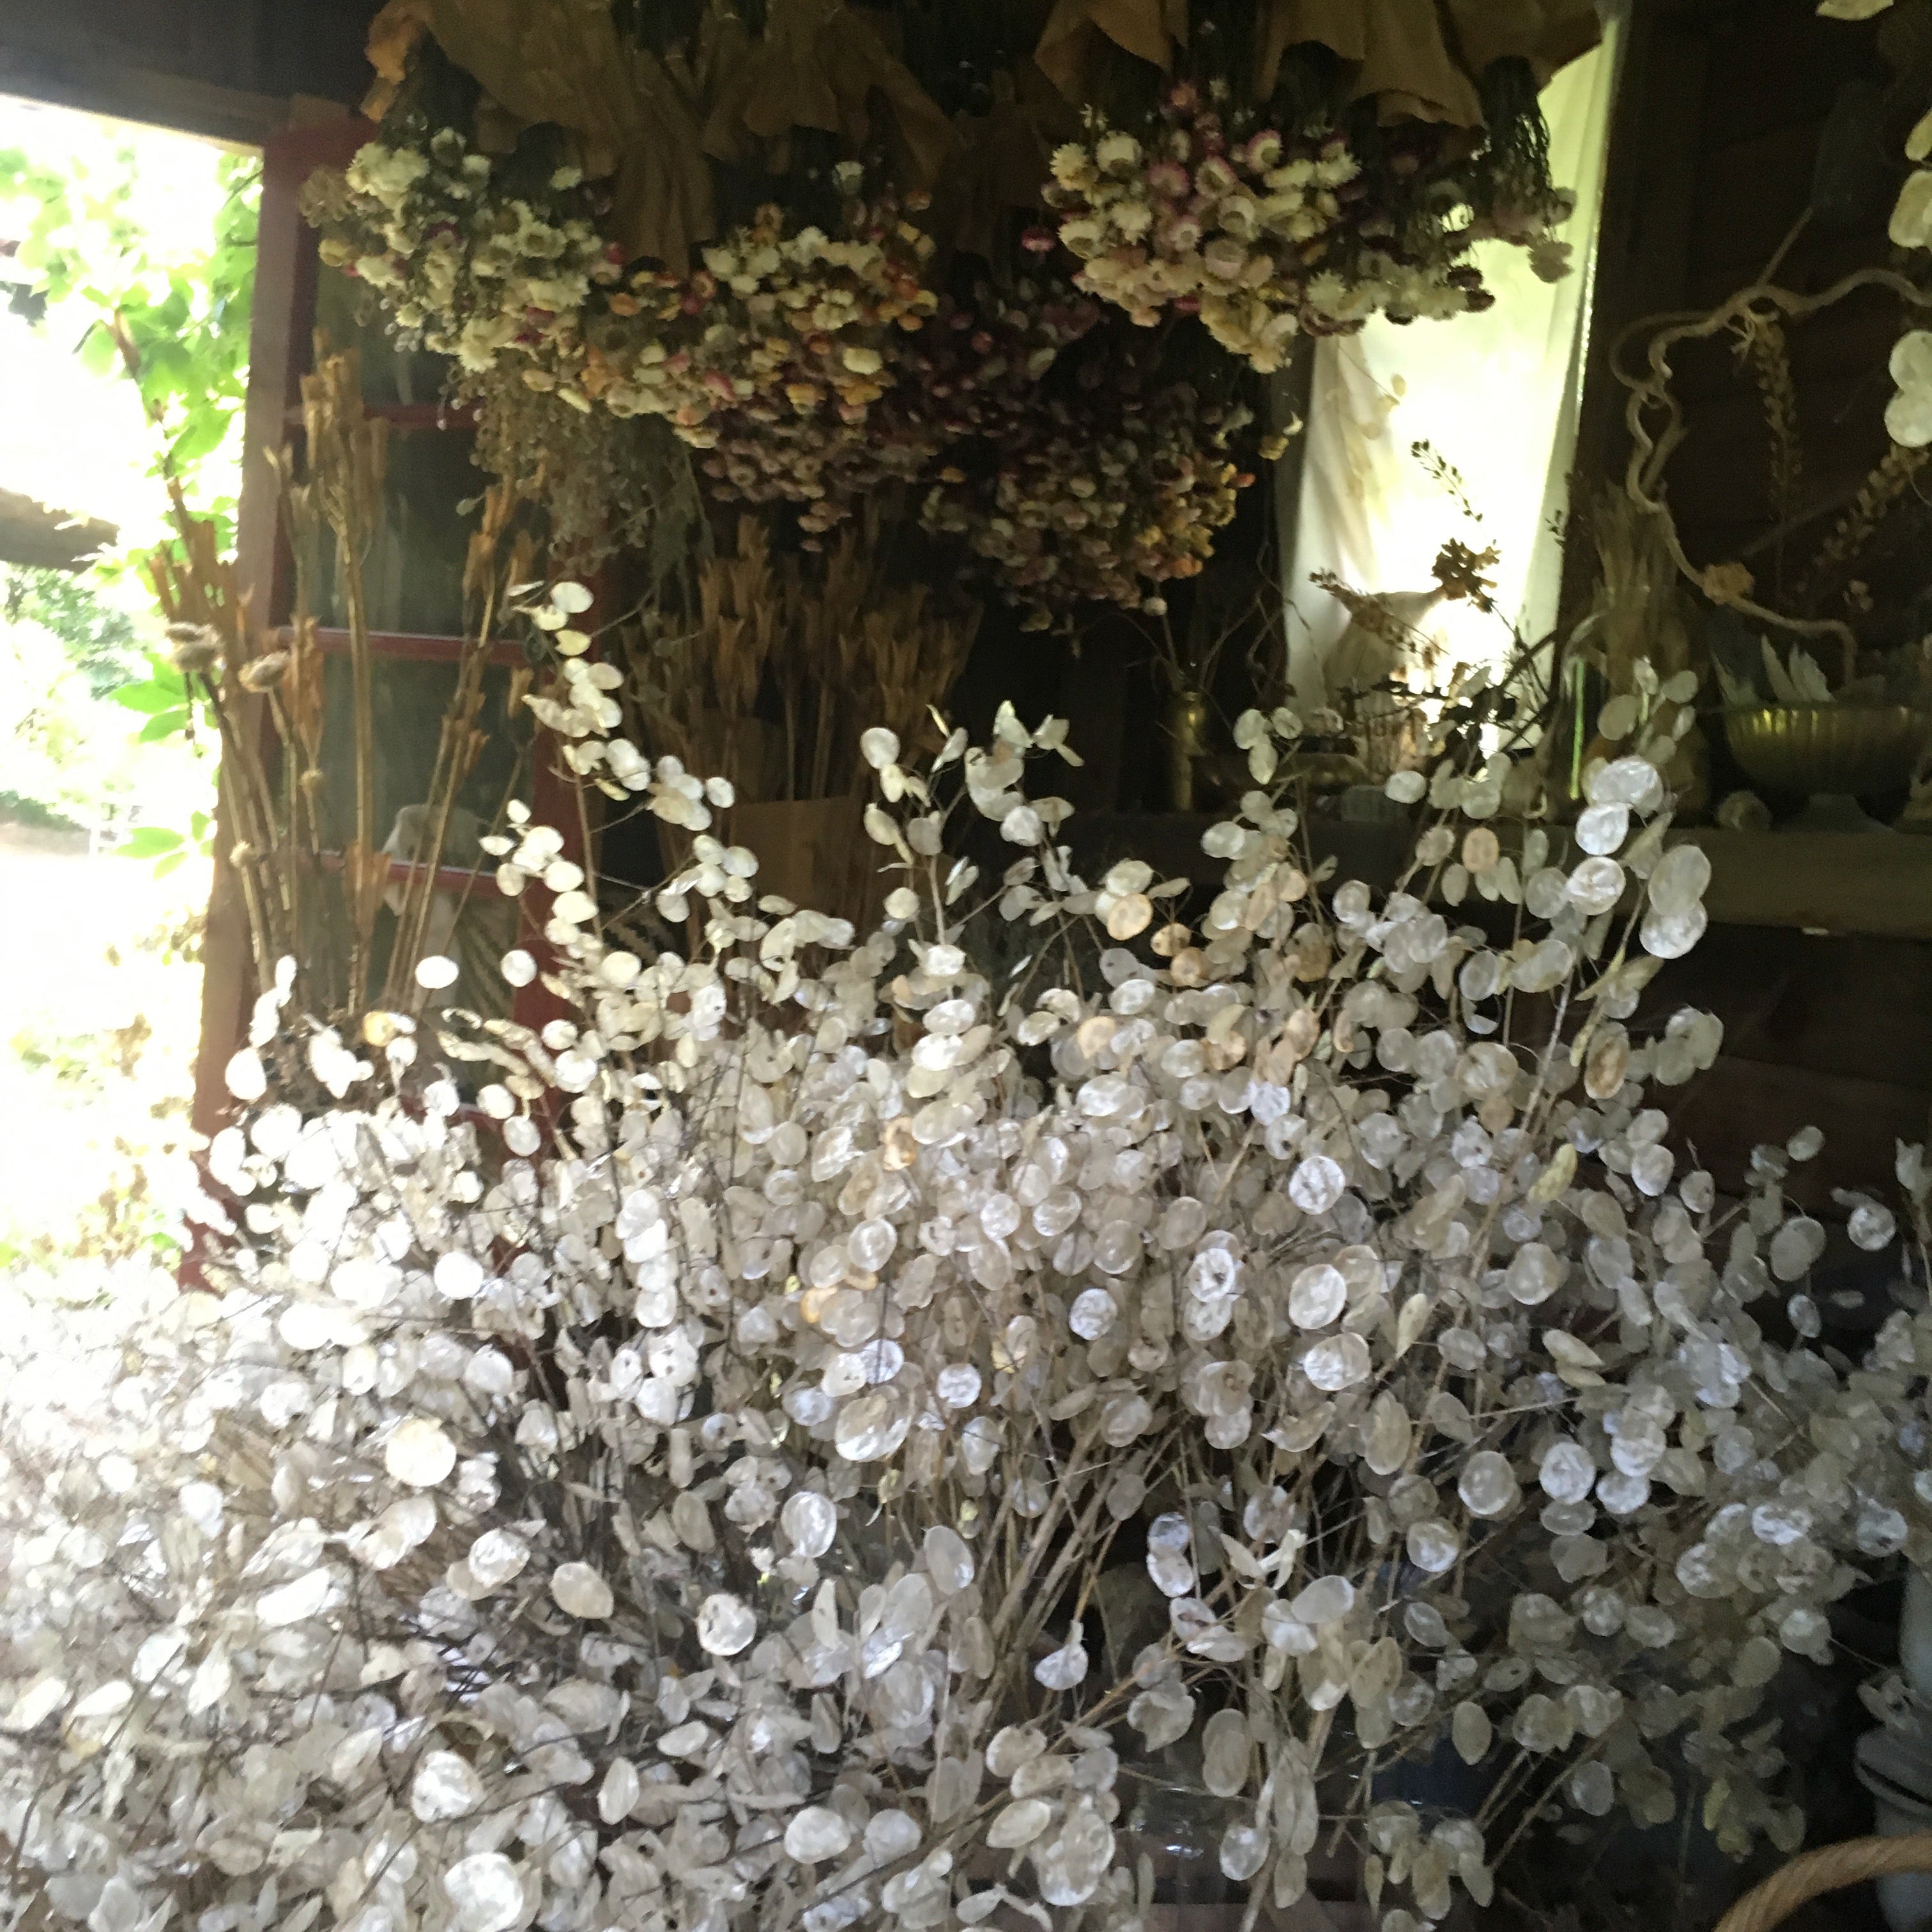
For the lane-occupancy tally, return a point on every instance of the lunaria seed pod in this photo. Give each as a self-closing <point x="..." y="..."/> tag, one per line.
<point x="193" y="647"/>
<point x="265" y="673"/>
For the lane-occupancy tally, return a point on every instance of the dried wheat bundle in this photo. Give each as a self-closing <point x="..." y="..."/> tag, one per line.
<point x="789" y="661"/>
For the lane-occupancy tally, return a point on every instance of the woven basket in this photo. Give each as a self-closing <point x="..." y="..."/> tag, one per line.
<point x="1830" y="1868"/>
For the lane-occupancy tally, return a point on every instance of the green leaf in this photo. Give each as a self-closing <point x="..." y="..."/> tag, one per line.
<point x="184" y="311"/>
<point x="150" y="695"/>
<point x="98" y="355"/>
<point x="163" y="867"/>
<point x="198" y="824"/>
<point x="206" y="431"/>
<point x="164" y="724"/>
<point x="151" y="842"/>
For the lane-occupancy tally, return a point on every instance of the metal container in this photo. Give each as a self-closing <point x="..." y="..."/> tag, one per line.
<point x="1857" y="750"/>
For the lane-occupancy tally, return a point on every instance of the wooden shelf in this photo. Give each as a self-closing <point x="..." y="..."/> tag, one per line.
<point x="1877" y="885"/>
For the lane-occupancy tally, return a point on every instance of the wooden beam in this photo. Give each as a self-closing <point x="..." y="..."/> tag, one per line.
<point x="99" y="81"/>
<point x="1643" y="235"/>
<point x="44" y="539"/>
<point x="1878" y="884"/>
<point x="284" y="300"/>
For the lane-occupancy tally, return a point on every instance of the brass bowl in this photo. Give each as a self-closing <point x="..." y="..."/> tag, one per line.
<point x="1857" y="750"/>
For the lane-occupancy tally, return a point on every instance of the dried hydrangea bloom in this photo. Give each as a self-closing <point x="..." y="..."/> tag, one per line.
<point x="843" y="1434"/>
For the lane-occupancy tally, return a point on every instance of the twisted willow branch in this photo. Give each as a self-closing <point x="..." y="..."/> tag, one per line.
<point x="1750" y="308"/>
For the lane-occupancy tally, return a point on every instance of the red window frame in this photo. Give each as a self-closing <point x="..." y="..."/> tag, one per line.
<point x="280" y="354"/>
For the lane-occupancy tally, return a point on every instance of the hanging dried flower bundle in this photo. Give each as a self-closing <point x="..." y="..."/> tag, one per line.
<point x="1108" y="494"/>
<point x="820" y="353"/>
<point x="1267" y="234"/>
<point x="818" y="373"/>
<point x="969" y="381"/>
<point x="483" y="277"/>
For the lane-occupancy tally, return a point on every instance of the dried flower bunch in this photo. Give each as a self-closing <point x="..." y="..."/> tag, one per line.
<point x="473" y="274"/>
<point x="967" y="383"/>
<point x="1108" y="494"/>
<point x="776" y="312"/>
<point x="1267" y="232"/>
<point x="835" y="1437"/>
<point x="810" y="370"/>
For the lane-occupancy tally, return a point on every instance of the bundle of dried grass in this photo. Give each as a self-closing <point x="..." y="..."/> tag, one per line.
<point x="1640" y="611"/>
<point x="1636" y="638"/>
<point x="790" y="660"/>
<point x="276" y="840"/>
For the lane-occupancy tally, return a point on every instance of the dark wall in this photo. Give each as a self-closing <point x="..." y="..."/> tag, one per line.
<point x="1726" y="107"/>
<point x="228" y="69"/>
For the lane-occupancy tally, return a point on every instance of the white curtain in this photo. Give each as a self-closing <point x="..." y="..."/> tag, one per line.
<point x="1494" y="395"/>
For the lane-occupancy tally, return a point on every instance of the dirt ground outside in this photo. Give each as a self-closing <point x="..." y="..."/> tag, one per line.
<point x="99" y="1007"/>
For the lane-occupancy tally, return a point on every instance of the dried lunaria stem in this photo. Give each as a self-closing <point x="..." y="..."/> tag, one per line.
<point x="891" y="1441"/>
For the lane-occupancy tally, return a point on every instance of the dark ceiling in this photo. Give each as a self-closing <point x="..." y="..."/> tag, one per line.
<point x="233" y="69"/>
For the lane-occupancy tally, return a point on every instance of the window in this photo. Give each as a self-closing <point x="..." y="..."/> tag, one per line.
<point x="1494" y="396"/>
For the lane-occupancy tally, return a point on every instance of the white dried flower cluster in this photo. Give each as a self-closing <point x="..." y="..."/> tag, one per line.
<point x="473" y="274"/>
<point x="859" y="1438"/>
<point x="783" y="322"/>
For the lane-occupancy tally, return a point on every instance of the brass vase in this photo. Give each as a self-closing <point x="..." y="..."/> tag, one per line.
<point x="1186" y="725"/>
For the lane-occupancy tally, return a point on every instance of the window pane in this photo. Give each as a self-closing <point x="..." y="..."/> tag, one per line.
<point x="410" y="699"/>
<point x="412" y="576"/>
<point x="347" y="315"/>
<point x="1493" y="396"/>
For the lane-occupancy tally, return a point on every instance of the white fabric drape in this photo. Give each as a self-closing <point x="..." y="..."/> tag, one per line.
<point x="1494" y="395"/>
